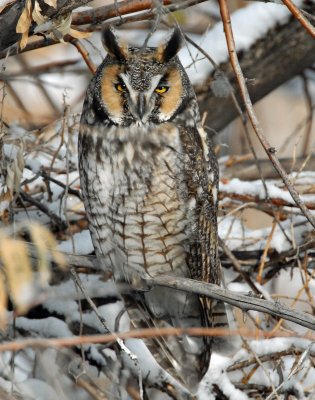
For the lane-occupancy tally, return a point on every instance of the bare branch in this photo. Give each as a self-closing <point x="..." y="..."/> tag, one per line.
<point x="267" y="64"/>
<point x="300" y="17"/>
<point x="241" y="301"/>
<point x="251" y="114"/>
<point x="140" y="334"/>
<point x="246" y="170"/>
<point x="60" y="223"/>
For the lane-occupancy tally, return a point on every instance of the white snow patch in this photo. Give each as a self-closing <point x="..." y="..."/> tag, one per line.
<point x="46" y="327"/>
<point x="82" y="244"/>
<point x="216" y="374"/>
<point x="34" y="164"/>
<point x="35" y="389"/>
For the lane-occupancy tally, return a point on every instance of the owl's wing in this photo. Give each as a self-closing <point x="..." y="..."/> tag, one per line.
<point x="202" y="174"/>
<point x="202" y="177"/>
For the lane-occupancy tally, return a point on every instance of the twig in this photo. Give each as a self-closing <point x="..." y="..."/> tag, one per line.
<point x="299" y="17"/>
<point x="265" y="370"/>
<point x="60" y="223"/>
<point x="85" y="55"/>
<point x="309" y="104"/>
<point x="133" y="357"/>
<point x="238" y="267"/>
<point x="251" y="114"/>
<point x="255" y="199"/>
<point x="241" y="301"/>
<point x="213" y="291"/>
<point x="245" y="170"/>
<point x="51" y="67"/>
<point x="140" y="334"/>
<point x="264" y="358"/>
<point x="96" y="16"/>
<point x="26" y="67"/>
<point x="45" y="175"/>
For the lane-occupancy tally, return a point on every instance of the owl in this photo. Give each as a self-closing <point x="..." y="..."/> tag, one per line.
<point x="149" y="180"/>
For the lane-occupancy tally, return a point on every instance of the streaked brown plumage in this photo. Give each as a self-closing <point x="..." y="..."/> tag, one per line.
<point x="149" y="181"/>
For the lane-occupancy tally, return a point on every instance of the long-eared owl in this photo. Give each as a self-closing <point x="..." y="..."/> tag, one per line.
<point x="149" y="181"/>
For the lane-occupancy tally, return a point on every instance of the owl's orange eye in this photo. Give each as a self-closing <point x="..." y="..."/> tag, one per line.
<point x="161" y="89"/>
<point x="121" y="87"/>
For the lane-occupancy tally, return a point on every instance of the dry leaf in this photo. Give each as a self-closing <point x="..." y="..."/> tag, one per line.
<point x="24" y="23"/>
<point x="18" y="270"/>
<point x="52" y="245"/>
<point x="79" y="34"/>
<point x="17" y="277"/>
<point x="39" y="239"/>
<point x="61" y="26"/>
<point x="51" y="3"/>
<point x="37" y="16"/>
<point x="11" y="167"/>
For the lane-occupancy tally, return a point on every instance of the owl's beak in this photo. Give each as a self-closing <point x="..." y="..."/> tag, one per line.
<point x="141" y="105"/>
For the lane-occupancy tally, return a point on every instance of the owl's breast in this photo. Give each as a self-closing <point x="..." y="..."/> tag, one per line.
<point x="136" y="201"/>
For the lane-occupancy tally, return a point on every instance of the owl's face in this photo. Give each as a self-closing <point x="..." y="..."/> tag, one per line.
<point x="140" y="86"/>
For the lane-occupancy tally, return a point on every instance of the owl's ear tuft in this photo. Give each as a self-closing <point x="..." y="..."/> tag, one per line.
<point x="170" y="48"/>
<point x="113" y="46"/>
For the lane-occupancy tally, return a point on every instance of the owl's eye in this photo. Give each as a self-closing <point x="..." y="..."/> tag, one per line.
<point x="120" y="87"/>
<point x="161" y="89"/>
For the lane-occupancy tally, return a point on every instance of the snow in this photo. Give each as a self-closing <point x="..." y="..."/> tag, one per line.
<point x="238" y="236"/>
<point x="147" y="365"/>
<point x="259" y="19"/>
<point x="216" y="375"/>
<point x="33" y="164"/>
<point x="35" y="389"/>
<point x="256" y="188"/>
<point x="82" y="244"/>
<point x="46" y="327"/>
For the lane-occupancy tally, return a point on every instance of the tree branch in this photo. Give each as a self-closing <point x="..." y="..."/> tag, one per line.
<point x="244" y="302"/>
<point x="300" y="17"/>
<point x="270" y="62"/>
<point x="245" y="170"/>
<point x="9" y="37"/>
<point x="65" y="342"/>
<point x="251" y="114"/>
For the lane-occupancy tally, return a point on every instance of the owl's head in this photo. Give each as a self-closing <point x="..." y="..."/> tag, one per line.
<point x="141" y="85"/>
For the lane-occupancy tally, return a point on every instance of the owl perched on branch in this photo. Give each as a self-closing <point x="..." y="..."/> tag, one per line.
<point x="149" y="180"/>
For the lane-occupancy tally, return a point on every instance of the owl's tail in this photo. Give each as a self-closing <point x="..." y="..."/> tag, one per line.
<point x="222" y="316"/>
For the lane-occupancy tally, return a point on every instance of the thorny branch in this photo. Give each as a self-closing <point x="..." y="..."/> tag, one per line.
<point x="241" y="301"/>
